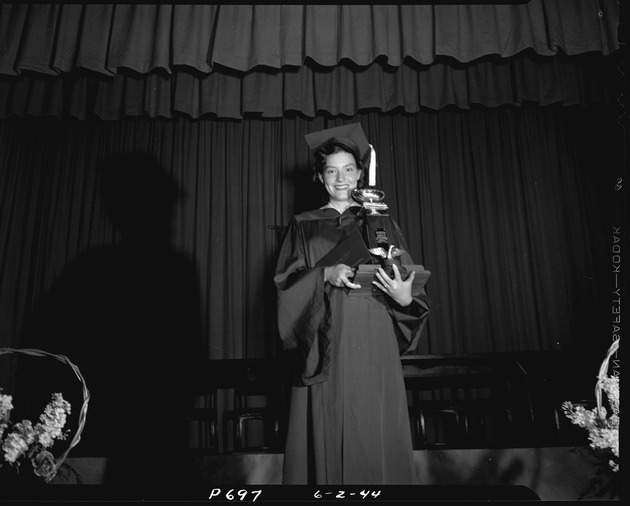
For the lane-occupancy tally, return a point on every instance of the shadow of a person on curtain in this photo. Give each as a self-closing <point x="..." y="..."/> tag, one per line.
<point x="128" y="316"/>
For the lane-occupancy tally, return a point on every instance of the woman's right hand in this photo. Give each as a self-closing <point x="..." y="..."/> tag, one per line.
<point x="339" y="275"/>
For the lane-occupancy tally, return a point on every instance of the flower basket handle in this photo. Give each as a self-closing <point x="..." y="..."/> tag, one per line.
<point x="602" y="375"/>
<point x="86" y="397"/>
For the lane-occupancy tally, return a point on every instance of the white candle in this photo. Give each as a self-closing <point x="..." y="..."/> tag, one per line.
<point x="372" y="167"/>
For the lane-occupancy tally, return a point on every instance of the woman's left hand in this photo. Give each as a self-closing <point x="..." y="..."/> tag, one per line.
<point x="396" y="288"/>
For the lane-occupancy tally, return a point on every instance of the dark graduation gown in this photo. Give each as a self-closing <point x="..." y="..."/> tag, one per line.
<point x="348" y="421"/>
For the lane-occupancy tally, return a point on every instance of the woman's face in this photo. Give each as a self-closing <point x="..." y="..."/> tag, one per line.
<point x="340" y="176"/>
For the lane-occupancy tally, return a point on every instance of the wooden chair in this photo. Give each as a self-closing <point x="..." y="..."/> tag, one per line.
<point x="470" y="401"/>
<point x="254" y="423"/>
<point x="202" y="416"/>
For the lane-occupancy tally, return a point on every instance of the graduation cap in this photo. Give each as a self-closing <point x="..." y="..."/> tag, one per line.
<point x="351" y="136"/>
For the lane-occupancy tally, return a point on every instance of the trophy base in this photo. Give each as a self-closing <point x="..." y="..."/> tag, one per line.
<point x="366" y="274"/>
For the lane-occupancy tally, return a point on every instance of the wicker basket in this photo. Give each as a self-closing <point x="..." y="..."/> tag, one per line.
<point x="603" y="374"/>
<point x="86" y="397"/>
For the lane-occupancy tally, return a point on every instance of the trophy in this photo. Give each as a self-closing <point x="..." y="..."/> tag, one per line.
<point x="377" y="224"/>
<point x="377" y="232"/>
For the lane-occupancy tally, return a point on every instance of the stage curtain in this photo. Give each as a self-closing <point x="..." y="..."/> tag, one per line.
<point x="508" y="208"/>
<point x="54" y="38"/>
<point x="309" y="91"/>
<point x="116" y="61"/>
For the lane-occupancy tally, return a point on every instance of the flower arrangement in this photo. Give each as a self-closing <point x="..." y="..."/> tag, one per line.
<point x="601" y="423"/>
<point x="23" y="440"/>
<point x="27" y="442"/>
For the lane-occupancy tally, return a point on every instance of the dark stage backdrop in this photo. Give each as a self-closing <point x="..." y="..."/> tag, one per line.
<point x="510" y="208"/>
<point x="496" y="127"/>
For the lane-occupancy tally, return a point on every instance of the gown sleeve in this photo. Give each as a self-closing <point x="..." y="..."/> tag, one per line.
<point x="303" y="316"/>
<point x="409" y="321"/>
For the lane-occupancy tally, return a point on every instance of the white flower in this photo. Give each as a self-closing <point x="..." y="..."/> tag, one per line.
<point x="24" y="439"/>
<point x="18" y="441"/>
<point x="603" y="429"/>
<point x="6" y="405"/>
<point x="52" y="421"/>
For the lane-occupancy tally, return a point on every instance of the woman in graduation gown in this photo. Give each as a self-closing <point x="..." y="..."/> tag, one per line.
<point x="348" y="420"/>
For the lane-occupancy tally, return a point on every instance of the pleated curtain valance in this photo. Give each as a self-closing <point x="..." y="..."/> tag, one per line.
<point x="336" y="91"/>
<point x="113" y="60"/>
<point x="55" y="38"/>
